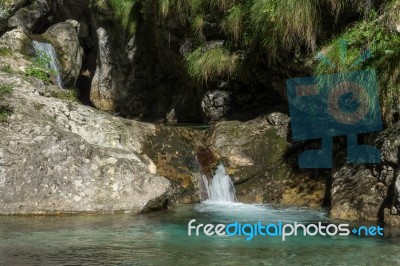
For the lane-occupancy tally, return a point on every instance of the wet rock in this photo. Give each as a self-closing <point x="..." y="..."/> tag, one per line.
<point x="65" y="40"/>
<point x="254" y="153"/>
<point x="173" y="151"/>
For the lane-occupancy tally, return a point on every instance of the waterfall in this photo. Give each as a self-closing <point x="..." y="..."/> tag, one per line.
<point x="221" y="188"/>
<point x="52" y="62"/>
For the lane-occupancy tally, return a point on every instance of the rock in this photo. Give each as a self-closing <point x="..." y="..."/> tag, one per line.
<point x="29" y="17"/>
<point x="276" y="119"/>
<point x="217" y="104"/>
<point x="65" y="40"/>
<point x="254" y="153"/>
<point x="370" y="192"/>
<point x="59" y="157"/>
<point x="17" y="41"/>
<point x="186" y="48"/>
<point x="7" y="10"/>
<point x="396" y="197"/>
<point x="392" y="18"/>
<point x="173" y="151"/>
<point x="356" y="194"/>
<point x="170" y="118"/>
<point x="103" y="89"/>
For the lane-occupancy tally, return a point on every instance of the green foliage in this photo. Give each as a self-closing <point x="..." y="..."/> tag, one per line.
<point x="5" y="90"/>
<point x="125" y="14"/>
<point x="265" y="26"/>
<point x="70" y="94"/>
<point x="5" y="110"/>
<point x="7" y="69"/>
<point x="5" y="52"/>
<point x="38" y="73"/>
<point x="207" y="64"/>
<point x="40" y="68"/>
<point x="385" y="48"/>
<point x="197" y="27"/>
<point x="339" y="5"/>
<point x="233" y="22"/>
<point x="41" y="60"/>
<point x="3" y="11"/>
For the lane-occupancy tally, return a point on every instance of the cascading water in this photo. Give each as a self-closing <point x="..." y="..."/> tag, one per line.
<point x="53" y="63"/>
<point x="221" y="188"/>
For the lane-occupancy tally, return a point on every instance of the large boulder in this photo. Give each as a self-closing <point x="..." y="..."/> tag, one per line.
<point x="7" y="10"/>
<point x="16" y="40"/>
<point x="30" y="17"/>
<point x="370" y="192"/>
<point x="217" y="104"/>
<point x="64" y="38"/>
<point x="59" y="156"/>
<point x="356" y="194"/>
<point x="255" y="155"/>
<point x="175" y="152"/>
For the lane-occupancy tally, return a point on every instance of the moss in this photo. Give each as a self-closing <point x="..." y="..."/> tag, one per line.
<point x="7" y="69"/>
<point x="5" y="90"/>
<point x="5" y="110"/>
<point x="5" y="52"/>
<point x="172" y="150"/>
<point x="71" y="94"/>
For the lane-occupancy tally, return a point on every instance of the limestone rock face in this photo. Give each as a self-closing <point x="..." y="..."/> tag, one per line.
<point x="103" y="89"/>
<point x="28" y="17"/>
<point x="58" y="156"/>
<point x="356" y="194"/>
<point x="16" y="40"/>
<point x="64" y="38"/>
<point x="370" y="192"/>
<point x="7" y="10"/>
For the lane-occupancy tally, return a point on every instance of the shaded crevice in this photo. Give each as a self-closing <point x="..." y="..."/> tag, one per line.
<point x="90" y="46"/>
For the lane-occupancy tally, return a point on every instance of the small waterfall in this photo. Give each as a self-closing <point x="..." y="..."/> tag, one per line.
<point x="53" y="63"/>
<point x="221" y="187"/>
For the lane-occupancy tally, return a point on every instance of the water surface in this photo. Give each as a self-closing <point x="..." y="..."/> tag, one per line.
<point x="161" y="239"/>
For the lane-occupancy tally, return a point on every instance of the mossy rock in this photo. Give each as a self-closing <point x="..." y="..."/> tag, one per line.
<point x="173" y="150"/>
<point x="254" y="152"/>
